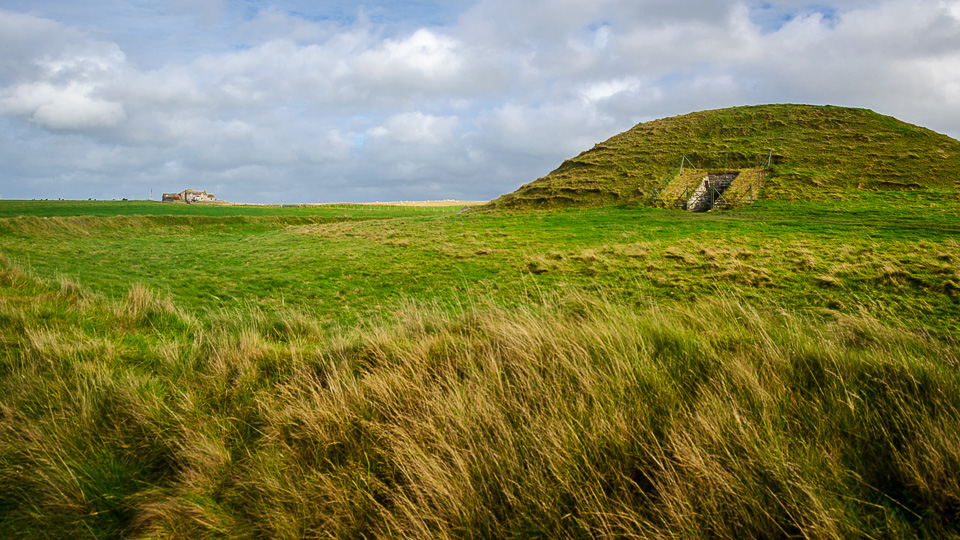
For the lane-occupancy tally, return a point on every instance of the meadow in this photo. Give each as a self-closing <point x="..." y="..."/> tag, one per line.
<point x="785" y="369"/>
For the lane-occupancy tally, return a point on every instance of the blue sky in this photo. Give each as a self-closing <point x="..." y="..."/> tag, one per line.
<point x="297" y="101"/>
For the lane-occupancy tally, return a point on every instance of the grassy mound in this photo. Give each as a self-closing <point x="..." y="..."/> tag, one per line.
<point x="818" y="152"/>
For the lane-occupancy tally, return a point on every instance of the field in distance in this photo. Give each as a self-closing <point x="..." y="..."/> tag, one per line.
<point x="343" y="263"/>
<point x="786" y="369"/>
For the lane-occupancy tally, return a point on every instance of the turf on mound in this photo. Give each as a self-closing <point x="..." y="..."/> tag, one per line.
<point x="816" y="152"/>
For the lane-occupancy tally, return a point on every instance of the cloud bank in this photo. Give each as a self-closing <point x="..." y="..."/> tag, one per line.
<point x="298" y="102"/>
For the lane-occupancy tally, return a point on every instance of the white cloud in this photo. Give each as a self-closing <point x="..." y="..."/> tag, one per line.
<point x="416" y="128"/>
<point x="272" y="22"/>
<point x="601" y="90"/>
<point x="23" y="39"/>
<point x="953" y="7"/>
<point x="61" y="85"/>
<point x="943" y="75"/>
<point x="346" y="108"/>
<point x="555" y="129"/>
<point x="70" y="106"/>
<point x="66" y="90"/>
<point x="424" y="53"/>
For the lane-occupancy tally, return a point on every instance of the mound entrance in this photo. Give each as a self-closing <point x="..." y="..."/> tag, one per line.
<point x="701" y="189"/>
<point x="710" y="189"/>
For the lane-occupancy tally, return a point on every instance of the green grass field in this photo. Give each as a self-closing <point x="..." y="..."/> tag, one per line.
<point x="349" y="263"/>
<point x="786" y="369"/>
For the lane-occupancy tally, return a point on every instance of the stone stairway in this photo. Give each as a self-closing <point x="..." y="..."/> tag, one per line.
<point x="703" y="197"/>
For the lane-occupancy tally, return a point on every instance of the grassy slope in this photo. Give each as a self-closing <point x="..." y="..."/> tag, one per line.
<point x="819" y="153"/>
<point x="789" y="368"/>
<point x="567" y="417"/>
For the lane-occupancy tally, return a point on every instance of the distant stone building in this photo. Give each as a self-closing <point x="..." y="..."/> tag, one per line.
<point x="189" y="195"/>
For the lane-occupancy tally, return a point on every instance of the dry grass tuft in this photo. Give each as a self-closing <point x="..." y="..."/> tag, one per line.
<point x="141" y="300"/>
<point x="575" y="416"/>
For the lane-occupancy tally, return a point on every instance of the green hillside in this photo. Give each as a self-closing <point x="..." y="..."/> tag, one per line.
<point x="816" y="152"/>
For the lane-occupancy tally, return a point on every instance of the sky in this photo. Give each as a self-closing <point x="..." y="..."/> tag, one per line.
<point x="295" y="101"/>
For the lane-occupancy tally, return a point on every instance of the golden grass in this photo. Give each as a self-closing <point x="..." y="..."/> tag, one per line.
<point x="559" y="413"/>
<point x="575" y="416"/>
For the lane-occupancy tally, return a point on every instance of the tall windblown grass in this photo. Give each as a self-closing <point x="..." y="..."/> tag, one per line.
<point x="575" y="417"/>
